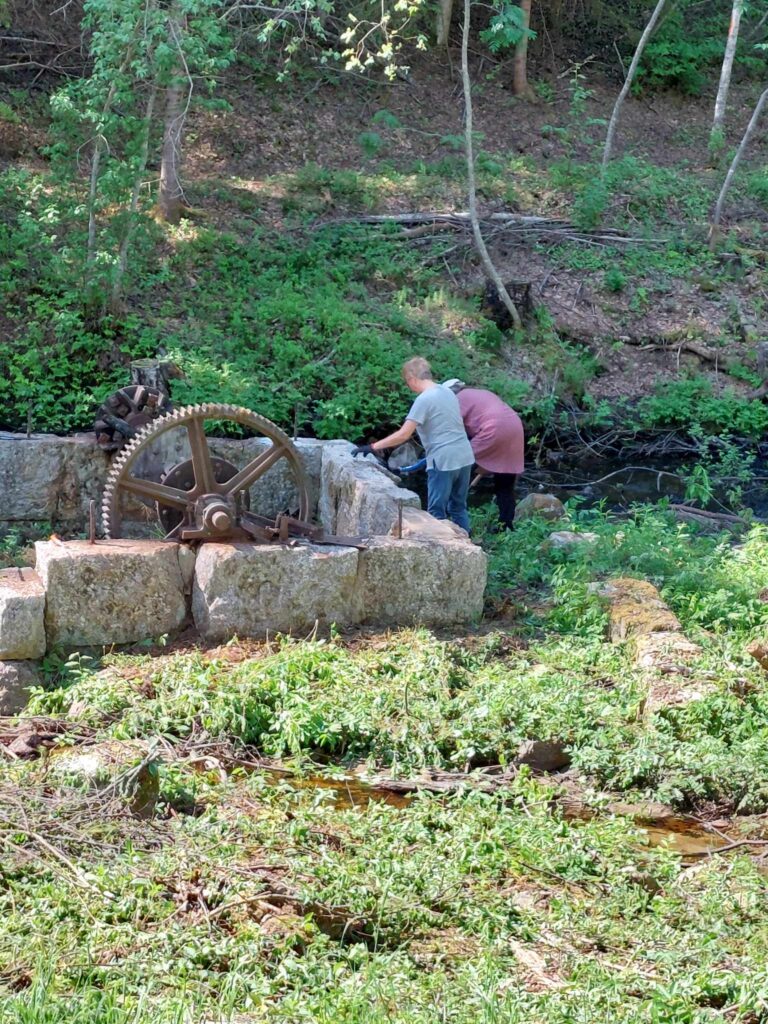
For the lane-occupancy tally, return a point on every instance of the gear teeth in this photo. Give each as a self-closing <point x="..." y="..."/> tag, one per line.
<point x="211" y="410"/>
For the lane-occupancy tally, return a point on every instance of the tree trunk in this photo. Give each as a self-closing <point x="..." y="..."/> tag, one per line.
<point x="444" y="12"/>
<point x="122" y="261"/>
<point x="178" y="93"/>
<point x="520" y="85"/>
<point x="170" y="199"/>
<point x="628" y="82"/>
<point x="490" y="269"/>
<point x="715" y="224"/>
<point x="716" y="136"/>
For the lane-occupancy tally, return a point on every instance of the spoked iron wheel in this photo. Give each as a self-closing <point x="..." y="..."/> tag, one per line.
<point x="203" y="497"/>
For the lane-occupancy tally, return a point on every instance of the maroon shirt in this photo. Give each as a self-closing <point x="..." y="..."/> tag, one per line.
<point x="495" y="431"/>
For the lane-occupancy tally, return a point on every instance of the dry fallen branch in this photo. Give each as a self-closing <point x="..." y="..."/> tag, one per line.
<point x="500" y="223"/>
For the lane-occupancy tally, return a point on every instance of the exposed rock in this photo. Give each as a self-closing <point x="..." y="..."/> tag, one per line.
<point x="111" y="592"/>
<point x="358" y="497"/>
<point x="667" y="657"/>
<point x="125" y="769"/>
<point x="543" y="755"/>
<point x="248" y="590"/>
<point x="759" y="651"/>
<point x="569" y="539"/>
<point x="547" y="506"/>
<point x="22" y="615"/>
<point x="15" y="679"/>
<point x="674" y="691"/>
<point x="420" y="582"/>
<point x="636" y="608"/>
<point x="665" y="651"/>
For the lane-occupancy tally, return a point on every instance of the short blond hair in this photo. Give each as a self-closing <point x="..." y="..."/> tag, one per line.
<point x="417" y="369"/>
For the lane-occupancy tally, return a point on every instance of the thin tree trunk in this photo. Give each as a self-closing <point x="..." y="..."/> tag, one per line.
<point x="716" y="136"/>
<point x="171" y="194"/>
<point x="628" y="82"/>
<point x="122" y="261"/>
<point x="520" y="85"/>
<point x="490" y="269"/>
<point x="444" y="12"/>
<point x="98" y="148"/>
<point x="717" y="215"/>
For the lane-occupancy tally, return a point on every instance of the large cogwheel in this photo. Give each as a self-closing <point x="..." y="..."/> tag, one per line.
<point x="203" y="491"/>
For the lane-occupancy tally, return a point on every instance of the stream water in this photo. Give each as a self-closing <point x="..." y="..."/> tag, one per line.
<point x="685" y="836"/>
<point x="617" y="482"/>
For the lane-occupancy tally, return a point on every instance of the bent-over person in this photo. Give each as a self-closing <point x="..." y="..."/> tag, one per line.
<point x="436" y="415"/>
<point x="497" y="437"/>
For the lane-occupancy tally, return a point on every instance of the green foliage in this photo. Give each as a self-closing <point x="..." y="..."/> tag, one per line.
<point x="8" y="114"/>
<point x="684" y="49"/>
<point x="371" y="143"/>
<point x="505" y="28"/>
<point x="614" y="280"/>
<point x="693" y="405"/>
<point x="757" y="186"/>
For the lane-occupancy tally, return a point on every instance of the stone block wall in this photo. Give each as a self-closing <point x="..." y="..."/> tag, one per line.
<point x="125" y="591"/>
<point x="51" y="479"/>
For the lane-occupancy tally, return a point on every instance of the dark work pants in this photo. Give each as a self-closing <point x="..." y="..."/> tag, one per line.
<point x="504" y="488"/>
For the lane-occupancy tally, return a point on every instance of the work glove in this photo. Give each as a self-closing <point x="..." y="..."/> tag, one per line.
<point x="362" y="449"/>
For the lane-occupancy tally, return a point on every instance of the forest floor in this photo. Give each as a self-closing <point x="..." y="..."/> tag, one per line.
<point x="274" y="183"/>
<point x="342" y="832"/>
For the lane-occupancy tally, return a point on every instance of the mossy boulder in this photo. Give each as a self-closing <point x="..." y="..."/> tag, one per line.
<point x="637" y="609"/>
<point x="125" y="770"/>
<point x="546" y="506"/>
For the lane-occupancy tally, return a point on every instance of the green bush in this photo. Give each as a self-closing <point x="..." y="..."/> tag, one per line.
<point x="693" y="406"/>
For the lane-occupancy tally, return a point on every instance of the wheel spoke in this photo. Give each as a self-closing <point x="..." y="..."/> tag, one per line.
<point x="256" y="467"/>
<point x="205" y="481"/>
<point x="156" y="492"/>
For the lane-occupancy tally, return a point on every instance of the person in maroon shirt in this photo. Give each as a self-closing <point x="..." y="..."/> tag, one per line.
<point x="496" y="434"/>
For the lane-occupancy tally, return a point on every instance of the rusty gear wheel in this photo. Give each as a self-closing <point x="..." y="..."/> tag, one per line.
<point x="122" y="415"/>
<point x="204" y="495"/>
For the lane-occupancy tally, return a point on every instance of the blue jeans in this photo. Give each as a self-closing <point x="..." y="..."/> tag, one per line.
<point x="447" y="494"/>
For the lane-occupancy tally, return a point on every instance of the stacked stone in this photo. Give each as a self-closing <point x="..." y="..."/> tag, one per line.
<point x="22" y="636"/>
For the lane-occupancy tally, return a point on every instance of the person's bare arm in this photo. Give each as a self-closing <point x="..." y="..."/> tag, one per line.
<point x="399" y="437"/>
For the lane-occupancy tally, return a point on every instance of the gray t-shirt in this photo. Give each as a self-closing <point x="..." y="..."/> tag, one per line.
<point x="437" y="415"/>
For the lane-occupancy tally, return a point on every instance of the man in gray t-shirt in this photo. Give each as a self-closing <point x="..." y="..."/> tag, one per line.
<point x="436" y="415"/>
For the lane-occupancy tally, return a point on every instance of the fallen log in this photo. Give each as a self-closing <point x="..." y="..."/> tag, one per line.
<point x="663" y="344"/>
<point x="525" y="224"/>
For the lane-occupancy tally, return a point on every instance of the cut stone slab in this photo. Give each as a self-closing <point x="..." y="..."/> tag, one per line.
<point x="546" y="506"/>
<point x="49" y="478"/>
<point x="110" y="592"/>
<point x="359" y="498"/>
<point x="543" y="755"/>
<point x="420" y="582"/>
<point x="248" y="590"/>
<point x="15" y="679"/>
<point x="125" y="769"/>
<point x="22" y="615"/>
<point x="636" y="609"/>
